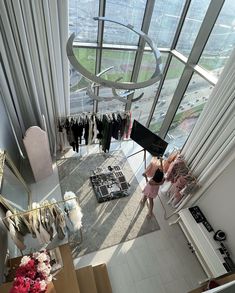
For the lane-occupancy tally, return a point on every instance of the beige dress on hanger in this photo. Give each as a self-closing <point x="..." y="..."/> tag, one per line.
<point x="15" y="235"/>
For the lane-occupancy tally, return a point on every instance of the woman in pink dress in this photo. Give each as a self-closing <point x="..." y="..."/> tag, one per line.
<point x="155" y="170"/>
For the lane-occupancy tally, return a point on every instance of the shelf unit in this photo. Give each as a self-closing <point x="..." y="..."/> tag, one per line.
<point x="201" y="242"/>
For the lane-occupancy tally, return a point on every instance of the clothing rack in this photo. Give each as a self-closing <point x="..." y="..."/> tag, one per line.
<point x="91" y="127"/>
<point x="93" y="113"/>
<point x="43" y="207"/>
<point x="77" y="115"/>
<point x="39" y="208"/>
<point x="195" y="179"/>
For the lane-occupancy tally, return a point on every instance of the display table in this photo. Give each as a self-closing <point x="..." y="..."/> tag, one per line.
<point x="201" y="242"/>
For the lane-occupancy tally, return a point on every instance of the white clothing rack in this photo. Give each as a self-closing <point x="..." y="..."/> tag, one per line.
<point x="43" y="207"/>
<point x="38" y="208"/>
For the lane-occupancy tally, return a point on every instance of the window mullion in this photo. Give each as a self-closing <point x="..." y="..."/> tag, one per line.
<point x="205" y="30"/>
<point x="180" y="24"/>
<point x="199" y="44"/>
<point x="173" y="45"/>
<point x="178" y="94"/>
<point x="99" y="44"/>
<point x="141" y="46"/>
<point x="161" y="82"/>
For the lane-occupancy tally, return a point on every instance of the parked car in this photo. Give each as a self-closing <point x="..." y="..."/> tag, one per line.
<point x="162" y="102"/>
<point x="190" y="104"/>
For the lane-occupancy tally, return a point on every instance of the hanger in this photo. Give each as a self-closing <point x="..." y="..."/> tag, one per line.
<point x="28" y="212"/>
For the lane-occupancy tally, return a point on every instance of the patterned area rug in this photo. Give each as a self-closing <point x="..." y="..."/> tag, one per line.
<point x="112" y="222"/>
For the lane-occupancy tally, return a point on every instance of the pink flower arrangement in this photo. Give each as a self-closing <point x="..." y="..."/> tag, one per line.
<point x="33" y="274"/>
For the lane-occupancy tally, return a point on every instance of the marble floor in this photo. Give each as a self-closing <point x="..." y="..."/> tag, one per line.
<point x="159" y="262"/>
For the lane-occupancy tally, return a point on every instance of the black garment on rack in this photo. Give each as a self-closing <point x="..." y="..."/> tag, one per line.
<point x="67" y="125"/>
<point x="107" y="133"/>
<point x="76" y="131"/>
<point x="117" y="126"/>
<point x="86" y="127"/>
<point x="69" y="132"/>
<point x="114" y="125"/>
<point x="80" y="132"/>
<point x="100" y="128"/>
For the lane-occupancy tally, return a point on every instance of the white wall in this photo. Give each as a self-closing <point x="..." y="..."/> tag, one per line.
<point x="218" y="205"/>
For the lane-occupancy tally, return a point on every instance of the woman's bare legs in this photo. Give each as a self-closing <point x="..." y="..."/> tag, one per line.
<point x="143" y="200"/>
<point x="150" y="212"/>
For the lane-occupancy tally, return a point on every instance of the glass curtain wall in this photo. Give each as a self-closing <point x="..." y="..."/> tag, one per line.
<point x="79" y="100"/>
<point x="221" y="41"/>
<point x="189" y="110"/>
<point x="170" y="83"/>
<point x="195" y="39"/>
<point x="124" y="11"/>
<point x="164" y="22"/>
<point x="81" y="13"/>
<point x="140" y="108"/>
<point x="191" y="26"/>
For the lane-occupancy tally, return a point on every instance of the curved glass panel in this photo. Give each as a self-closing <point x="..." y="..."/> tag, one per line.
<point x="13" y="190"/>
<point x="221" y="41"/>
<point x="172" y="78"/>
<point x="122" y="61"/>
<point x="192" y="24"/>
<point x="189" y="110"/>
<point x="87" y="57"/>
<point x="81" y="13"/>
<point x="109" y="106"/>
<point x="127" y="12"/>
<point x="79" y="100"/>
<point x="165" y="18"/>
<point x="147" y="68"/>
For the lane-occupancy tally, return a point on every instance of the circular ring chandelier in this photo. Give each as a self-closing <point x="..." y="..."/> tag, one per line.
<point x="115" y="84"/>
<point x="122" y="97"/>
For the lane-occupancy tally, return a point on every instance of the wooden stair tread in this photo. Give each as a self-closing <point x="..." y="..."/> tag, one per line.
<point x="66" y="279"/>
<point x="86" y="280"/>
<point x="102" y="279"/>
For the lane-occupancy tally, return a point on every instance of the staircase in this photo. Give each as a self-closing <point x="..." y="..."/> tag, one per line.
<point x="94" y="279"/>
<point x="89" y="279"/>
